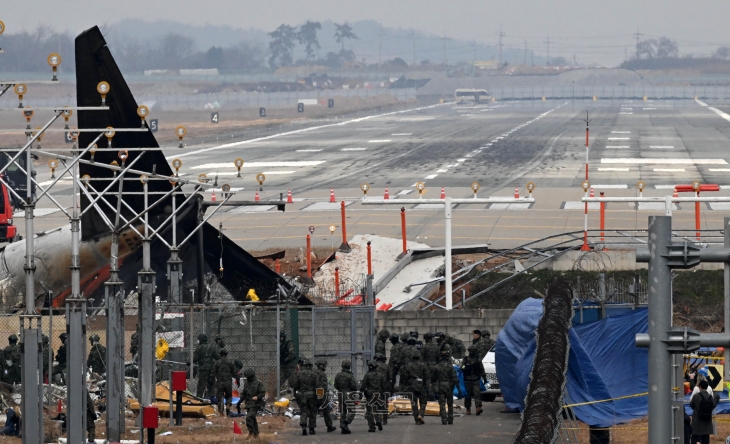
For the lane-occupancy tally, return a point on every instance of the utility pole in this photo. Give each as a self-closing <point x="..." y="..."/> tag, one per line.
<point x="573" y="60"/>
<point x="501" y="34"/>
<point x="548" y="50"/>
<point x="474" y="64"/>
<point x="146" y="314"/>
<point x="525" y="52"/>
<point x="637" y="35"/>
<point x="380" y="46"/>
<point x="446" y="62"/>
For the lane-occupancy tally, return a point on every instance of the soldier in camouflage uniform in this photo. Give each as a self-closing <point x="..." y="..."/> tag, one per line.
<point x="97" y="356"/>
<point x="305" y="386"/>
<point x="45" y="350"/>
<point x="445" y="378"/>
<point x="219" y="342"/>
<point x="372" y="385"/>
<point x="458" y="350"/>
<point x="12" y="360"/>
<point x="385" y="371"/>
<point x="415" y="377"/>
<point x="59" y="371"/>
<point x="223" y="373"/>
<point x="430" y="351"/>
<point x="292" y="380"/>
<point x="480" y="344"/>
<point x="134" y="342"/>
<point x="321" y="371"/>
<point x="403" y="354"/>
<point x="253" y="395"/>
<point x="488" y="339"/>
<point x="392" y="361"/>
<point x="380" y="341"/>
<point x="287" y="356"/>
<point x="473" y="372"/>
<point x="345" y="384"/>
<point x="205" y="356"/>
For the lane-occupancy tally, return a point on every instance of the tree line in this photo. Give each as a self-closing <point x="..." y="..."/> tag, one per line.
<point x="285" y="38"/>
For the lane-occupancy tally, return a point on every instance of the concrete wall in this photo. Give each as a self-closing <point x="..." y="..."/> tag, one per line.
<point x="457" y="323"/>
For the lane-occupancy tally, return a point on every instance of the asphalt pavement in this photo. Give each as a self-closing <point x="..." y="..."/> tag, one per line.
<point x="491" y="426"/>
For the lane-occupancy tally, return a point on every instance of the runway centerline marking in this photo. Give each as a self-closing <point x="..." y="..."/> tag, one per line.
<point x="663" y="161"/>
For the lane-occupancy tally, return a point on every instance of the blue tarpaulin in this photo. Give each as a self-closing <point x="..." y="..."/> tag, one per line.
<point x="604" y="363"/>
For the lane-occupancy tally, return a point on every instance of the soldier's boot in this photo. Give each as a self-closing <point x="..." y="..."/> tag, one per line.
<point x="331" y="429"/>
<point x="468" y="411"/>
<point x="419" y="420"/>
<point x="443" y="422"/>
<point x="371" y="430"/>
<point x="380" y="426"/>
<point x="311" y="431"/>
<point x="385" y="419"/>
<point x="345" y="429"/>
<point x="479" y="410"/>
<point x="228" y="412"/>
<point x="250" y="435"/>
<point x="304" y="431"/>
<point x="451" y="422"/>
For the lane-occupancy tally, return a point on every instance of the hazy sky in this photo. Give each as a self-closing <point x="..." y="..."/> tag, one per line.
<point x="592" y="30"/>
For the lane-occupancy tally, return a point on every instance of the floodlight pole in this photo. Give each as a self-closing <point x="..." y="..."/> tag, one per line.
<point x="448" y="203"/>
<point x="114" y="292"/>
<point x="146" y="290"/>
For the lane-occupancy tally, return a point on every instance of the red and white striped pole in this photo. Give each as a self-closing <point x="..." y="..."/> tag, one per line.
<point x="585" y="217"/>
<point x="309" y="257"/>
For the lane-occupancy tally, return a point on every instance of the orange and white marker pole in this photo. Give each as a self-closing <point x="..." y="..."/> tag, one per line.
<point x="603" y="218"/>
<point x="697" y="217"/>
<point x="403" y="228"/>
<point x="585" y="246"/>
<point x="332" y="195"/>
<point x="370" y="259"/>
<point x="337" y="282"/>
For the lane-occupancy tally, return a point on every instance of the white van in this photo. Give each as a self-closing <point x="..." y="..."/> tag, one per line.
<point x="491" y="370"/>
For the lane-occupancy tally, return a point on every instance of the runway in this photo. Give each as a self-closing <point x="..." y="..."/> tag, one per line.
<point x="500" y="145"/>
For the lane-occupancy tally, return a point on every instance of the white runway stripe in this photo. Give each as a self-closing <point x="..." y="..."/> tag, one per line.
<point x="661" y="147"/>
<point x="308" y="151"/>
<point x="353" y="149"/>
<point x="665" y="161"/>
<point x="301" y="163"/>
<point x="613" y="169"/>
<point x="618" y="147"/>
<point x="669" y="170"/>
<point x="619" y="138"/>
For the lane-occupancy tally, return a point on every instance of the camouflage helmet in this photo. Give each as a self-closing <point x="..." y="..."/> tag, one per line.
<point x="307" y="362"/>
<point x="411" y="340"/>
<point x="472" y="348"/>
<point x="428" y="336"/>
<point x="94" y="338"/>
<point x="63" y="337"/>
<point x="486" y="333"/>
<point x="13" y="338"/>
<point x="404" y="337"/>
<point x="202" y="338"/>
<point x="394" y="338"/>
<point x="379" y="356"/>
<point x="384" y="334"/>
<point x="238" y="364"/>
<point x="414" y="334"/>
<point x="249" y="373"/>
<point x="416" y="354"/>
<point x="321" y="362"/>
<point x="346" y="363"/>
<point x="439" y="334"/>
<point x="372" y="364"/>
<point x="45" y="338"/>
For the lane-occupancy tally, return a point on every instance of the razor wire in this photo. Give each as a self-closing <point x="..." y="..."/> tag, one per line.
<point x="542" y="418"/>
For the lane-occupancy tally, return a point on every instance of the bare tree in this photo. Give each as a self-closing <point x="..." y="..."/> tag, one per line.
<point x="646" y="49"/>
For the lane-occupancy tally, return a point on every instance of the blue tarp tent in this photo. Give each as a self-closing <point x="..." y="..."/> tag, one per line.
<point x="604" y="363"/>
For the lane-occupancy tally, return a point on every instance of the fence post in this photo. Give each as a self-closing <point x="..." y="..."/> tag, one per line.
<point x="344" y="247"/>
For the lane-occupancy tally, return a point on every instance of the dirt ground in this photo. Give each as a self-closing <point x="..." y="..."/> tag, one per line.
<point x="636" y="432"/>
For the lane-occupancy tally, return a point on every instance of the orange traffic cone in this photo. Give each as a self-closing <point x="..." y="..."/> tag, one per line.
<point x="443" y="193"/>
<point x="387" y="195"/>
<point x="213" y="197"/>
<point x="257" y="197"/>
<point x="517" y="192"/>
<point x="332" y="195"/>
<point x="289" y="198"/>
<point x="592" y="193"/>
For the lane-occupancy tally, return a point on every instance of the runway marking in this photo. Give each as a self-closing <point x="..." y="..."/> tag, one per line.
<point x="660" y="161"/>
<point x="402" y="134"/>
<point x="620" y="132"/>
<point x="220" y="190"/>
<point x="428" y="207"/>
<point x="301" y="163"/>
<point x="719" y="113"/>
<point x="700" y="102"/>
<point x="251" y="209"/>
<point x="613" y="169"/>
<point x="577" y="205"/>
<point x="431" y="176"/>
<point x="313" y="128"/>
<point x="619" y="138"/>
<point x="720" y="170"/>
<point x="649" y="109"/>
<point x="325" y="206"/>
<point x="509" y="206"/>
<point x="663" y="187"/>
<point x="460" y="160"/>
<point x="442" y="171"/>
<point x="379" y="141"/>
<point x="308" y="151"/>
<point x="404" y="192"/>
<point x="720" y="206"/>
<point x="353" y="149"/>
<point x="495" y="141"/>
<point x="626" y="113"/>
<point x="661" y="147"/>
<point x="669" y="170"/>
<point x="618" y="147"/>
<point x="609" y="186"/>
